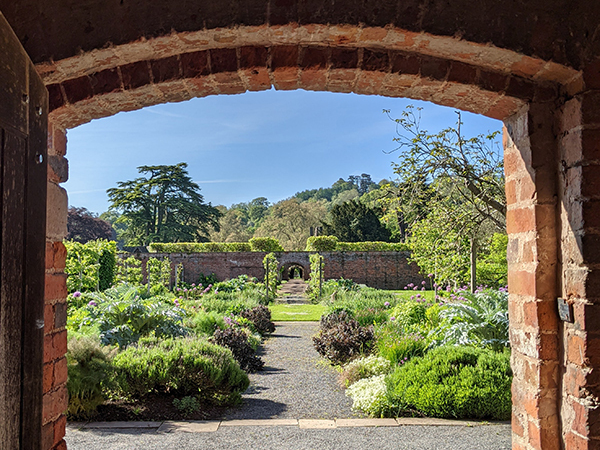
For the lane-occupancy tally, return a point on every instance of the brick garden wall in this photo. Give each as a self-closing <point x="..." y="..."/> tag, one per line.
<point x="382" y="270"/>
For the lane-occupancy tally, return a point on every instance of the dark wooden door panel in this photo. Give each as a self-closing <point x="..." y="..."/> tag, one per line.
<point x="23" y="128"/>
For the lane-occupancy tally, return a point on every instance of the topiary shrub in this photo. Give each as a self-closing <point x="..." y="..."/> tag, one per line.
<point x="236" y="340"/>
<point x="361" y="368"/>
<point x="89" y="368"/>
<point x="184" y="367"/>
<point x="265" y="244"/>
<point x="321" y="243"/>
<point x="260" y="316"/>
<point x="453" y="382"/>
<point x="342" y="338"/>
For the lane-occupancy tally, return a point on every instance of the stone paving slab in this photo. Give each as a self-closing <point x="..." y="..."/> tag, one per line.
<point x="260" y="423"/>
<point x="342" y="423"/>
<point x="430" y="421"/>
<point x="114" y="425"/>
<point x="208" y="426"/>
<point x="316" y="423"/>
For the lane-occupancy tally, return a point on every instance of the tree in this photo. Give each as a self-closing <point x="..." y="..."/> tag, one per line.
<point x="353" y="221"/>
<point x="461" y="181"/>
<point x="165" y="206"/>
<point x="84" y="226"/>
<point x="290" y="220"/>
<point x="233" y="227"/>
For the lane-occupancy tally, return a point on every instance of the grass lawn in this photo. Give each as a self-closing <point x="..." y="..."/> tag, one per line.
<point x="296" y="313"/>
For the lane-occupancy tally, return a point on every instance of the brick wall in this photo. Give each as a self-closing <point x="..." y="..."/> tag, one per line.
<point x="55" y="398"/>
<point x="383" y="270"/>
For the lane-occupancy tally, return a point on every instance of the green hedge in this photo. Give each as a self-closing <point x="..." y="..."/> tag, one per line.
<point x="200" y="247"/>
<point x="91" y="266"/>
<point x="265" y="244"/>
<point x="321" y="243"/>
<point x="331" y="244"/>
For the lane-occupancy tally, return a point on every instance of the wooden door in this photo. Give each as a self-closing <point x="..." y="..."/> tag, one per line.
<point x="23" y="154"/>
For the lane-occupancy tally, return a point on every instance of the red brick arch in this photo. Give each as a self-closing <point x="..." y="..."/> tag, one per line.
<point x="549" y="116"/>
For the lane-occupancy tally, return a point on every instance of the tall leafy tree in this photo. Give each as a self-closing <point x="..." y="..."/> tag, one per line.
<point x="165" y="205"/>
<point x="463" y="182"/>
<point x="353" y="221"/>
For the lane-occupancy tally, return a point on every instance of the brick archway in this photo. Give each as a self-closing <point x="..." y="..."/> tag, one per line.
<point x="534" y="67"/>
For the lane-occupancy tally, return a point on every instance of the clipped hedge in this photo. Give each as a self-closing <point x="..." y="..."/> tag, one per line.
<point x="331" y="244"/>
<point x="199" y="247"/>
<point x="181" y="366"/>
<point x="321" y="243"/>
<point x="265" y="244"/>
<point x="372" y="246"/>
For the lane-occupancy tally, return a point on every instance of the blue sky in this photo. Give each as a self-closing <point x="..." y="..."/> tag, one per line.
<point x="238" y="147"/>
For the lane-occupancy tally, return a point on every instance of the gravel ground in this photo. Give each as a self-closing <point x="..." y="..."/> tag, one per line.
<point x="491" y="437"/>
<point x="296" y="383"/>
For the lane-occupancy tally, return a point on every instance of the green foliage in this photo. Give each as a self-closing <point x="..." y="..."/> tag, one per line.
<point x="183" y="367"/>
<point x="321" y="244"/>
<point x="353" y="221"/>
<point x="205" y="322"/>
<point x="367" y="305"/>
<point x="159" y="274"/>
<point x="479" y="319"/>
<point x="371" y="246"/>
<point x="122" y="317"/>
<point x="129" y="271"/>
<point x="315" y="280"/>
<point x="199" y="247"/>
<point x="397" y="345"/>
<point x="188" y="405"/>
<point x="91" y="265"/>
<point x="492" y="266"/>
<point x="89" y="367"/>
<point x="265" y="244"/>
<point x="361" y="368"/>
<point x="453" y="382"/>
<point x="271" y="266"/>
<point x="165" y="206"/>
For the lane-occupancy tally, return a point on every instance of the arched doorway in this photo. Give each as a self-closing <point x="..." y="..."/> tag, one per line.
<point x="520" y="67"/>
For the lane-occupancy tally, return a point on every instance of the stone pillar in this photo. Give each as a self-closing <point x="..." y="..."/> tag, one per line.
<point x="530" y="165"/>
<point x="579" y="154"/>
<point x="55" y="310"/>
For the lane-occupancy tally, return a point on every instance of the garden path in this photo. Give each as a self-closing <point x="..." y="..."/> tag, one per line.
<point x="296" y="383"/>
<point x="292" y="292"/>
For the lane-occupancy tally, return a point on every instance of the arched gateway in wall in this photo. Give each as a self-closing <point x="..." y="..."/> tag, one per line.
<point x="533" y="65"/>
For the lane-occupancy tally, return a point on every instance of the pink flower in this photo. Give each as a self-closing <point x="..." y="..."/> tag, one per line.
<point x="92" y="303"/>
<point x="76" y="294"/>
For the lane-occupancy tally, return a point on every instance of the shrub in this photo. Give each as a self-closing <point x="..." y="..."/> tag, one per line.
<point x="366" y="367"/>
<point x="260" y="316"/>
<point x="89" y="369"/>
<point x="183" y="367"/>
<point x="91" y="265"/>
<point x="207" y="323"/>
<point x="368" y="306"/>
<point x="454" y="382"/>
<point x="343" y="341"/>
<point x="372" y="246"/>
<point x="409" y="313"/>
<point x="129" y="270"/>
<point x="199" y="247"/>
<point x="265" y="244"/>
<point x="187" y="405"/>
<point x="321" y="243"/>
<point x="334" y="318"/>
<point x="369" y="395"/>
<point x="398" y="346"/>
<point x="205" y="280"/>
<point x="236" y="340"/>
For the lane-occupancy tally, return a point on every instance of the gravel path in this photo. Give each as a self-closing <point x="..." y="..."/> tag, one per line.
<point x="296" y="383"/>
<point x="492" y="437"/>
